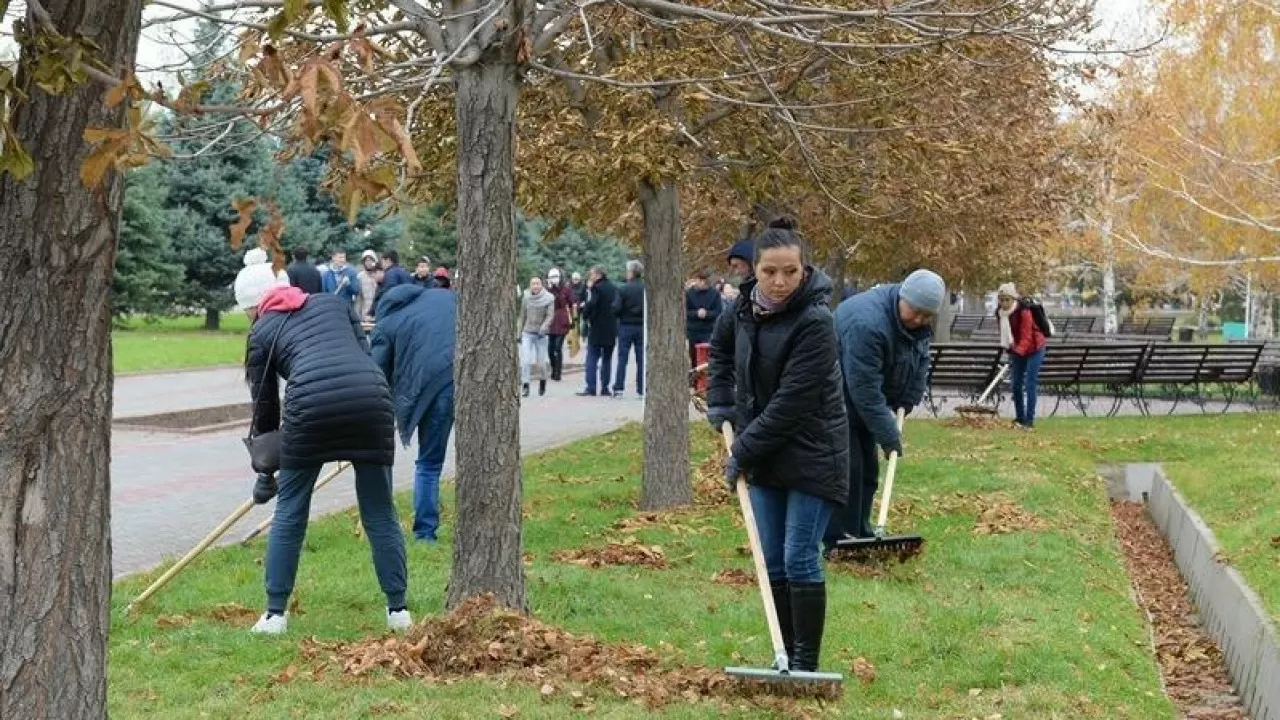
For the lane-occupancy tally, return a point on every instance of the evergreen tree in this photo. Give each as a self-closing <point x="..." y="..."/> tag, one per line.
<point x="147" y="276"/>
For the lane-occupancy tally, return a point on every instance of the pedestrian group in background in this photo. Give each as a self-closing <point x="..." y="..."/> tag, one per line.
<point x="811" y="394"/>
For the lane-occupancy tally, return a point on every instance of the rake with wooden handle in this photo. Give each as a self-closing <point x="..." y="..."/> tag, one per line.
<point x="980" y="407"/>
<point x="262" y="526"/>
<point x="903" y="546"/>
<point x="781" y="671"/>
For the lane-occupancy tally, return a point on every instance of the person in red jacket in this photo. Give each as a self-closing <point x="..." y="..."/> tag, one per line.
<point x="1021" y="336"/>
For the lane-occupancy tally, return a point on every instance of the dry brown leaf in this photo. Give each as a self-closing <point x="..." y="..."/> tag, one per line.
<point x="864" y="670"/>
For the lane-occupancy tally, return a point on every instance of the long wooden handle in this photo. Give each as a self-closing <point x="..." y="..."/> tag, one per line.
<point x="888" y="477"/>
<point x="757" y="556"/>
<point x="222" y="528"/>
<point x="1004" y="368"/>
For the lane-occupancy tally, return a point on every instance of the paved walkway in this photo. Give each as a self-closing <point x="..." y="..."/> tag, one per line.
<point x="169" y="490"/>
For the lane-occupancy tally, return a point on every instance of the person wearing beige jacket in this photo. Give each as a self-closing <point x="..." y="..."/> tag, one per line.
<point x="537" y="310"/>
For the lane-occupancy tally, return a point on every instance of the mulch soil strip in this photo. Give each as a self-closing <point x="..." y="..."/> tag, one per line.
<point x="480" y="638"/>
<point x="190" y="419"/>
<point x="1191" y="663"/>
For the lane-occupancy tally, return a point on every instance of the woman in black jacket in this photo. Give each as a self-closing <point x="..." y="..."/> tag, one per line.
<point x="775" y="376"/>
<point x="336" y="407"/>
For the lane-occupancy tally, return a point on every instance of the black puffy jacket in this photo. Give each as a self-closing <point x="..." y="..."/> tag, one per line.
<point x="337" y="405"/>
<point x="629" y="304"/>
<point x="781" y="373"/>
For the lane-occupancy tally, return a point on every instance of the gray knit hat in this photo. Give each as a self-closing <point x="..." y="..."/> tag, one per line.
<point x="924" y="290"/>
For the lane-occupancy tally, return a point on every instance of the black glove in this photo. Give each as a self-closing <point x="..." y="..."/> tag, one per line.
<point x="893" y="447"/>
<point x="264" y="488"/>
<point x="718" y="416"/>
<point x="906" y="409"/>
<point x="731" y="473"/>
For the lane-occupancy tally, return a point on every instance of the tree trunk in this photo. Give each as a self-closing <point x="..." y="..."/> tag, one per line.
<point x="1261" y="318"/>
<point x="212" y="318"/>
<point x="55" y="401"/>
<point x="487" y="543"/>
<point x="666" y="409"/>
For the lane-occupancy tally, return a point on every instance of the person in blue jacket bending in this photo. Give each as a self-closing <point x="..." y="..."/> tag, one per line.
<point x="884" y="336"/>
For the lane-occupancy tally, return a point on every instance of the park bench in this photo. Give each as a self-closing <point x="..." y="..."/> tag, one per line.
<point x="966" y="325"/>
<point x="1083" y="372"/>
<point x="1073" y="324"/>
<point x="1197" y="372"/>
<point x="1155" y="327"/>
<point x="963" y="369"/>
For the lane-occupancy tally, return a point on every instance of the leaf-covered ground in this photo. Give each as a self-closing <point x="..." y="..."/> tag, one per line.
<point x="1019" y="606"/>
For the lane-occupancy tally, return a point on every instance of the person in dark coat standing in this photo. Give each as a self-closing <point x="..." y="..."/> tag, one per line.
<point x="560" y="324"/>
<point x="303" y="275"/>
<point x="884" y="336"/>
<point x="775" y="376"/>
<point x="602" y="330"/>
<point x="337" y="407"/>
<point x="413" y="343"/>
<point x="629" y="307"/>
<point x="702" y="306"/>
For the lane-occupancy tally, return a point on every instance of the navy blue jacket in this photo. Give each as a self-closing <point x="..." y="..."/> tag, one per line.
<point x="413" y="343"/>
<point x="602" y="321"/>
<point x="705" y="299"/>
<point x="781" y="374"/>
<point x="333" y="283"/>
<point x="885" y="365"/>
<point x="336" y="403"/>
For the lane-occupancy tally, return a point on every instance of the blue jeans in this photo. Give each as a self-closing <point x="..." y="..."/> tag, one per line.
<point x="630" y="336"/>
<point x="601" y="356"/>
<point x="1026" y="379"/>
<point x="377" y="515"/>
<point x="791" y="524"/>
<point x="433" y="441"/>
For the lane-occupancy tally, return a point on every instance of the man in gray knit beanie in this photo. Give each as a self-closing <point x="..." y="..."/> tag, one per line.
<point x="884" y="336"/>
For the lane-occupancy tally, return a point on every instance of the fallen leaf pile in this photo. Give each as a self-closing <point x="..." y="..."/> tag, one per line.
<point x="871" y="563"/>
<point x="1003" y="516"/>
<point x="481" y="638"/>
<point x="734" y="577"/>
<point x="708" y="480"/>
<point x="233" y="614"/>
<point x="976" y="422"/>
<point x="1191" y="663"/>
<point x="615" y="554"/>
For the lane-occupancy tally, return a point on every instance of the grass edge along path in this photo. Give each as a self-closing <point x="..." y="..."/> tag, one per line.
<point x="180" y="343"/>
<point x="1019" y="607"/>
<point x="1233" y="483"/>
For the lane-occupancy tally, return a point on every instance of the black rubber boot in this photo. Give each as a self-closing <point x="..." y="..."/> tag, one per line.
<point x="782" y="602"/>
<point x="524" y="392"/>
<point x="809" y="618"/>
<point x="542" y="387"/>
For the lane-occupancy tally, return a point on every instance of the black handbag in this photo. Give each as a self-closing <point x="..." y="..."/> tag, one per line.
<point x="264" y="448"/>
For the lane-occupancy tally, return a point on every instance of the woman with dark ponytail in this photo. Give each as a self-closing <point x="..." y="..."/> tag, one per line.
<point x="774" y="374"/>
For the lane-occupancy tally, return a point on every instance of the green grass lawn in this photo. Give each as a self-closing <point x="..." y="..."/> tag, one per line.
<point x="178" y="343"/>
<point x="1019" y="607"/>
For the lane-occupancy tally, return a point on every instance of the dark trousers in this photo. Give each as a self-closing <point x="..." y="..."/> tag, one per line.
<point x="864" y="477"/>
<point x="555" y="353"/>
<point x="630" y="336"/>
<point x="601" y="357"/>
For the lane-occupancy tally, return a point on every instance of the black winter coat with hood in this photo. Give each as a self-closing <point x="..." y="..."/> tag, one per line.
<point x="781" y="373"/>
<point x="337" y="405"/>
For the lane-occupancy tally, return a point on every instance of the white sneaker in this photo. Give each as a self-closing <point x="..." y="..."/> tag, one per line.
<point x="399" y="620"/>
<point x="272" y="625"/>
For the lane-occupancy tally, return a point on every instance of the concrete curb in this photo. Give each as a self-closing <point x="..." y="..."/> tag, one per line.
<point x="1228" y="607"/>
